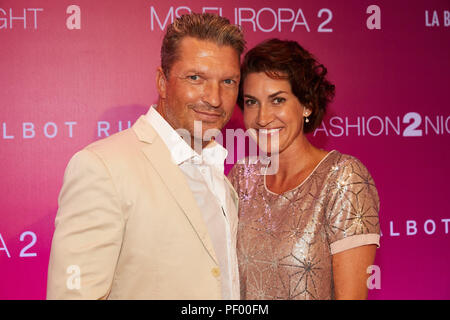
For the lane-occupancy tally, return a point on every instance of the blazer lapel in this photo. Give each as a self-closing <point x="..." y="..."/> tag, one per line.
<point x="233" y="206"/>
<point x="233" y="194"/>
<point x="157" y="153"/>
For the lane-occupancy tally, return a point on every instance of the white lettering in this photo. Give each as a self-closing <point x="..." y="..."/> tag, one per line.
<point x="24" y="18"/>
<point x="70" y="124"/>
<point x="396" y="129"/>
<point x="347" y="126"/>
<point x="55" y="130"/>
<point x="323" y="24"/>
<point x="120" y="125"/>
<point x="73" y="22"/>
<point x="446" y="221"/>
<point x="74" y="280"/>
<point x="214" y="9"/>
<point x="426" y="228"/>
<point x="281" y="20"/>
<point x="5" y="135"/>
<point x="411" y="130"/>
<point x="4" y="247"/>
<point x="251" y="19"/>
<point x="23" y="252"/>
<point x="374" y="281"/>
<point x="177" y="11"/>
<point x="11" y="18"/>
<point x="428" y="121"/>
<point x="373" y="21"/>
<point x="322" y="128"/>
<point x="411" y="225"/>
<point x="391" y="225"/>
<point x="435" y="19"/>
<point x="381" y="126"/>
<point x="242" y="137"/>
<point x="28" y="127"/>
<point x="35" y="15"/>
<point x="275" y="20"/>
<point x="336" y="126"/>
<point x="102" y="126"/>
<point x="153" y="14"/>
<point x="302" y="23"/>
<point x="4" y="21"/>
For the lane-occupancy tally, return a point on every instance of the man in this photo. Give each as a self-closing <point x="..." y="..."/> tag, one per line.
<point x="141" y="214"/>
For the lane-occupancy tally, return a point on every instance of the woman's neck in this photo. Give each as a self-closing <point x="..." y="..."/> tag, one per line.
<point x="295" y="163"/>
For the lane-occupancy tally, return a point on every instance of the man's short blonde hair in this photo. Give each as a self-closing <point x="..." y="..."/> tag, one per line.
<point x="204" y="26"/>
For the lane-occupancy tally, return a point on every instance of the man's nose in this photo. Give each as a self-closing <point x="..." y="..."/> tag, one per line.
<point x="211" y="94"/>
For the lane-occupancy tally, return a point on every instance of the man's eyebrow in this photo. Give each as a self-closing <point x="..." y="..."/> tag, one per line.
<point x="201" y="73"/>
<point x="194" y="71"/>
<point x="235" y="76"/>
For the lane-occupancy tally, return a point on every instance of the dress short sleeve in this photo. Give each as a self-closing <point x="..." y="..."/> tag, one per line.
<point x="353" y="206"/>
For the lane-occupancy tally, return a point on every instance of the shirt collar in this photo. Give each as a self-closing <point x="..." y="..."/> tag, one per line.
<point x="213" y="154"/>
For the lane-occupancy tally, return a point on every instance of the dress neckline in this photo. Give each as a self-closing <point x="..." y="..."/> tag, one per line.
<point x="302" y="183"/>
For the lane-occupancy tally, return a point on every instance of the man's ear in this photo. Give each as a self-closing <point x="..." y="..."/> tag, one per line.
<point x="161" y="82"/>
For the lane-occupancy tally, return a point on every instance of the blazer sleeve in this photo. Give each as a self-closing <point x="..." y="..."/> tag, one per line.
<point x="88" y="233"/>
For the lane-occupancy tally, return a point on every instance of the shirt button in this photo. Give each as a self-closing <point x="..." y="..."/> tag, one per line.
<point x="215" y="272"/>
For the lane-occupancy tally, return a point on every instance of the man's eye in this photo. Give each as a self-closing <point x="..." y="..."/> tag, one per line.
<point x="194" y="77"/>
<point x="229" y="81"/>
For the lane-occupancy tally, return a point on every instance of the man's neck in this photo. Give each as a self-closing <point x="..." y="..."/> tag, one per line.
<point x="196" y="144"/>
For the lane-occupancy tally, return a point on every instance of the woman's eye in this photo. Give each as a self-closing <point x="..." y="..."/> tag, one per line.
<point x="279" y="100"/>
<point x="249" y="102"/>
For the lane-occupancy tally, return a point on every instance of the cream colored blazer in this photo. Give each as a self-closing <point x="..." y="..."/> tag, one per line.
<point x="128" y="226"/>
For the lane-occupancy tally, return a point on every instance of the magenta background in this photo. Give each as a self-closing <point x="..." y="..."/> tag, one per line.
<point x="106" y="71"/>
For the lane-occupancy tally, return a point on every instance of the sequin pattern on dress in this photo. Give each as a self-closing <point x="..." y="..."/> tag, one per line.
<point x="285" y="241"/>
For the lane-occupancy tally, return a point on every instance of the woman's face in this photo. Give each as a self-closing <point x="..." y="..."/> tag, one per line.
<point x="270" y="109"/>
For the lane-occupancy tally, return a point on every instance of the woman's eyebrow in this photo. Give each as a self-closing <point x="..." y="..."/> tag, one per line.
<point x="276" y="93"/>
<point x="250" y="96"/>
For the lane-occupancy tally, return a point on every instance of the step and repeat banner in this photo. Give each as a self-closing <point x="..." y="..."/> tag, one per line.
<point x="72" y="72"/>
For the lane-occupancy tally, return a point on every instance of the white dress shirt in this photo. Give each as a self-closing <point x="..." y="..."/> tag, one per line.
<point x="205" y="176"/>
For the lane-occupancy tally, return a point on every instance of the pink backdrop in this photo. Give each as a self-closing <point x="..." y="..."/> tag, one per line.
<point x="65" y="82"/>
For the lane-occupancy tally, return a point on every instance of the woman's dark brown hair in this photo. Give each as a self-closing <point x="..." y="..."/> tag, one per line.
<point x="283" y="59"/>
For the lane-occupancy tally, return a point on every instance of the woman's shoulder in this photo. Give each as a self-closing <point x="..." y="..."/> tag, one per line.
<point x="345" y="167"/>
<point x="345" y="162"/>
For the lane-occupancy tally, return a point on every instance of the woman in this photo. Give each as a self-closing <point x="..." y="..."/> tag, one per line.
<point x="310" y="230"/>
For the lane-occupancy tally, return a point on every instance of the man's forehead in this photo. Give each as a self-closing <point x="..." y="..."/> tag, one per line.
<point x="190" y="44"/>
<point x="202" y="55"/>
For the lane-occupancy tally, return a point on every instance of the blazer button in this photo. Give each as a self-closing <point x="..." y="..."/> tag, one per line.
<point x="215" y="272"/>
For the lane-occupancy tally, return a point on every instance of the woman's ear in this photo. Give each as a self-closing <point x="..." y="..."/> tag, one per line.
<point x="161" y="82"/>
<point x="307" y="112"/>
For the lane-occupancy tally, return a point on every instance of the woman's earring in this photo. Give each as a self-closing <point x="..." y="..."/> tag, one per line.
<point x="306" y="120"/>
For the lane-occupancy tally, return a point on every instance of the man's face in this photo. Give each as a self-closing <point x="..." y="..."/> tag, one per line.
<point x="202" y="85"/>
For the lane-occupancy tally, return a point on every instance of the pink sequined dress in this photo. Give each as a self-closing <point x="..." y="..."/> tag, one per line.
<point x="286" y="241"/>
